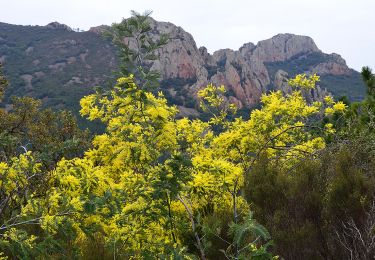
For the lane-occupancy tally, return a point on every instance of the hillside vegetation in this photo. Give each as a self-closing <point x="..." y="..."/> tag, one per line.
<point x="294" y="179"/>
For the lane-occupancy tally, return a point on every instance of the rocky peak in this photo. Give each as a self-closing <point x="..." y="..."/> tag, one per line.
<point x="59" y="26"/>
<point x="243" y="72"/>
<point x="283" y="47"/>
<point x="247" y="49"/>
<point x="180" y="57"/>
<point x="173" y="31"/>
<point x="333" y="65"/>
<point x="338" y="59"/>
<point x="207" y="58"/>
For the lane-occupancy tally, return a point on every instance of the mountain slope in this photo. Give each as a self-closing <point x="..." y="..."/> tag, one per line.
<point x="54" y="63"/>
<point x="60" y="66"/>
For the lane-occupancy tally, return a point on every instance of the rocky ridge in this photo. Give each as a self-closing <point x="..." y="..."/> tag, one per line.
<point x="244" y="71"/>
<point x="65" y="65"/>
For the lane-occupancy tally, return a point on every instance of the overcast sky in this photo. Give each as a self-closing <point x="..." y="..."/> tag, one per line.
<point x="345" y="27"/>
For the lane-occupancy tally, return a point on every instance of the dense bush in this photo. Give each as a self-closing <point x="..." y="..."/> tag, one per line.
<point x="305" y="208"/>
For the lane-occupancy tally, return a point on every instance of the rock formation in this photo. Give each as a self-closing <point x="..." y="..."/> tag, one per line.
<point x="59" y="26"/>
<point x="57" y="62"/>
<point x="243" y="72"/>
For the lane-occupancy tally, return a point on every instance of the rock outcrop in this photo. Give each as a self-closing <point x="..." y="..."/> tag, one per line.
<point x="336" y="65"/>
<point x="99" y="29"/>
<point x="283" y="47"/>
<point x="59" y="26"/>
<point x="243" y="72"/>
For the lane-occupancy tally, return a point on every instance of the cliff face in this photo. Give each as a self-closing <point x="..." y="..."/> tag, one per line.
<point x="244" y="72"/>
<point x="60" y="65"/>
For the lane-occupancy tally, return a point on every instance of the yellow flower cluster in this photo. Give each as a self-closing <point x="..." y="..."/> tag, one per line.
<point x="144" y="180"/>
<point x="304" y="82"/>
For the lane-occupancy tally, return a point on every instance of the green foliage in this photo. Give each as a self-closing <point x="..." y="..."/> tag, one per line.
<point x="213" y="102"/>
<point x="50" y="135"/>
<point x="177" y="93"/>
<point x="242" y="234"/>
<point x="24" y="174"/>
<point x="369" y="79"/>
<point x="137" y="50"/>
<point x="3" y="83"/>
<point x="360" y="115"/>
<point x="19" y="244"/>
<point x="304" y="208"/>
<point x="345" y="85"/>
